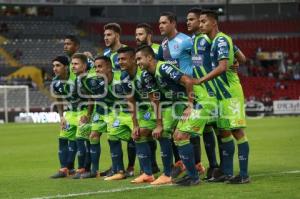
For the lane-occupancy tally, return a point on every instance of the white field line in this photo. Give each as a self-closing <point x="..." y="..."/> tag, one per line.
<point x="143" y="187"/>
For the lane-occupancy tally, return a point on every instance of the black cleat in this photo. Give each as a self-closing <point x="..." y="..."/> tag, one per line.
<point x="188" y="181"/>
<point x="78" y="173"/>
<point x="106" y="173"/>
<point x="89" y="175"/>
<point x="180" y="180"/>
<point x="60" y="174"/>
<point x="213" y="172"/>
<point x="239" y="180"/>
<point x="222" y="178"/>
<point x="129" y="172"/>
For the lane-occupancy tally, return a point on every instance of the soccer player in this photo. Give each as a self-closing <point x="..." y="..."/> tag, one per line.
<point x="176" y="50"/>
<point x="60" y="88"/>
<point x="137" y="84"/>
<point x="143" y="36"/>
<point x="177" y="90"/>
<point x="112" y="34"/>
<point x="231" y="119"/>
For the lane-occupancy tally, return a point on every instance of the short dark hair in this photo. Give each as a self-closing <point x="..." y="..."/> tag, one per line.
<point x="170" y="15"/>
<point x="113" y="26"/>
<point x="80" y="56"/>
<point x="126" y="49"/>
<point x="210" y="13"/>
<point x="148" y="28"/>
<point x="105" y="59"/>
<point x="62" y="59"/>
<point x="146" y="50"/>
<point x="73" y="38"/>
<point x="197" y="11"/>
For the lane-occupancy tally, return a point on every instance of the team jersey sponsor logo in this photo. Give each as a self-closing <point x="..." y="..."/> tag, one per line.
<point x="147" y="115"/>
<point x="116" y="123"/>
<point x="96" y="118"/>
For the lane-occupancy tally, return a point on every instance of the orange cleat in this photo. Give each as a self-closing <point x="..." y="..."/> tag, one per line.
<point x="117" y="176"/>
<point x="143" y="178"/>
<point x="163" y="179"/>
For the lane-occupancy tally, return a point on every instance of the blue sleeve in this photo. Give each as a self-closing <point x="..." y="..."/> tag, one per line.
<point x="126" y="82"/>
<point x="160" y="54"/>
<point x="188" y="45"/>
<point x="170" y="72"/>
<point x="148" y="82"/>
<point x="222" y="48"/>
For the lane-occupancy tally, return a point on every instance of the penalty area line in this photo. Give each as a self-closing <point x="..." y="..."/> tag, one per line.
<point x="70" y="195"/>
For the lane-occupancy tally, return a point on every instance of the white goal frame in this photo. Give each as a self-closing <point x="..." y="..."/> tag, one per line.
<point x="4" y="88"/>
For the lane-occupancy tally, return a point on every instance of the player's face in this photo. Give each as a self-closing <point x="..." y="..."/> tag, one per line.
<point x="101" y="67"/>
<point x="192" y="22"/>
<point x="165" y="26"/>
<point x="58" y="68"/>
<point x="141" y="36"/>
<point x="78" y="67"/>
<point x="206" y="24"/>
<point x="70" y="47"/>
<point x="126" y="60"/>
<point x="109" y="38"/>
<point x="141" y="60"/>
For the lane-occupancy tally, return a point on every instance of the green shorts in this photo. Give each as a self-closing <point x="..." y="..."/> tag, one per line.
<point x="212" y="107"/>
<point x="170" y="118"/>
<point x="98" y="123"/>
<point x="119" y="126"/>
<point x="69" y="131"/>
<point x="83" y="130"/>
<point x="195" y="124"/>
<point x="231" y="114"/>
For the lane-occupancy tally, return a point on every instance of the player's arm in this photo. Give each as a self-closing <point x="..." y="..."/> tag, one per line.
<point x="60" y="109"/>
<point x="239" y="58"/>
<point x="154" y="99"/>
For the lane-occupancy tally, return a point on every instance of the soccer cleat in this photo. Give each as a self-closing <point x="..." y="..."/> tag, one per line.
<point x="106" y="173"/>
<point x="78" y="173"/>
<point x="129" y="172"/>
<point x="179" y="180"/>
<point x="62" y="173"/>
<point x="222" y="178"/>
<point x="143" y="178"/>
<point x="210" y="172"/>
<point x="72" y="172"/>
<point x="89" y="175"/>
<point x="200" y="168"/>
<point x="163" y="179"/>
<point x="188" y="181"/>
<point x="239" y="180"/>
<point x="118" y="176"/>
<point x="177" y="169"/>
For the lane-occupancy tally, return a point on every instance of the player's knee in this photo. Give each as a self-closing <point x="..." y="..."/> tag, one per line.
<point x="94" y="137"/>
<point x="238" y="134"/>
<point x="145" y="132"/>
<point x="180" y="136"/>
<point x="225" y="134"/>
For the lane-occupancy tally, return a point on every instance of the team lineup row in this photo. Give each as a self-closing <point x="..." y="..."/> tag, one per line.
<point x="172" y="93"/>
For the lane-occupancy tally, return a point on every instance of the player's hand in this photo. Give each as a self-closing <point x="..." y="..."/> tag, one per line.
<point x="235" y="66"/>
<point x="136" y="133"/>
<point x="157" y="132"/>
<point x="63" y="122"/>
<point x="94" y="135"/>
<point x="84" y="119"/>
<point x="187" y="113"/>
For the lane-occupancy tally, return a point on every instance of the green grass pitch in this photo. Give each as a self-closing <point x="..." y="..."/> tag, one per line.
<point x="28" y="156"/>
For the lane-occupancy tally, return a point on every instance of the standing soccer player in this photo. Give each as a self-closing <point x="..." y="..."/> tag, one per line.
<point x="231" y="119"/>
<point x="137" y="84"/>
<point x="176" y="49"/>
<point x="112" y="34"/>
<point x="177" y="90"/>
<point x="143" y="36"/>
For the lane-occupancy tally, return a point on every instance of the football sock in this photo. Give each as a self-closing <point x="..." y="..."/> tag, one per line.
<point x="63" y="152"/>
<point x="81" y="153"/>
<point x="228" y="152"/>
<point x="131" y="152"/>
<point x="175" y="151"/>
<point x="116" y="155"/>
<point x="95" y="152"/>
<point x="243" y="152"/>
<point x="166" y="154"/>
<point x="87" y="163"/>
<point x="210" y="145"/>
<point x="153" y="147"/>
<point x="144" y="153"/>
<point x="72" y="150"/>
<point x="220" y="146"/>
<point x="195" y="141"/>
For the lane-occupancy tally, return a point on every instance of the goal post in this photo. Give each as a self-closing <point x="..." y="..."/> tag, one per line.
<point x="13" y="98"/>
